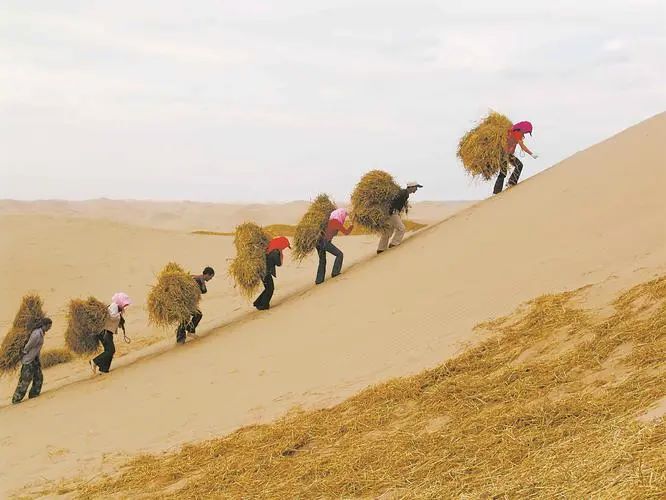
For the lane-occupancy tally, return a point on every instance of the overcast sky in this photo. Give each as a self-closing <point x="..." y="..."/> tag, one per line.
<point x="249" y="100"/>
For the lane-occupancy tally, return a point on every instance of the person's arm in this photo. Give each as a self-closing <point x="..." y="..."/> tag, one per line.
<point x="202" y="284"/>
<point x="341" y="227"/>
<point x="526" y="149"/>
<point x="31" y="341"/>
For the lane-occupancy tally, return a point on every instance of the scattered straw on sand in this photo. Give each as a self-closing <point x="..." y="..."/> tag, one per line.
<point x="52" y="357"/>
<point x="482" y="425"/>
<point x="28" y="317"/>
<point x="481" y="150"/>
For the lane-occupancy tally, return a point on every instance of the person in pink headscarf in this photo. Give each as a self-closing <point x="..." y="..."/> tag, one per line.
<point x="119" y="302"/>
<point x="514" y="138"/>
<point x="336" y="222"/>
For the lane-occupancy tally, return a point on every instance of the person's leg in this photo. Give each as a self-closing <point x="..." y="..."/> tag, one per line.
<point x="100" y="357"/>
<point x="499" y="183"/>
<point x="194" y="322"/>
<point x="517" y="169"/>
<point x="180" y="333"/>
<point x="37" y="379"/>
<point x="104" y="359"/>
<point x="321" y="269"/>
<point x="339" y="256"/>
<point x="386" y="235"/>
<point x="25" y="378"/>
<point x="263" y="302"/>
<point x="399" y="230"/>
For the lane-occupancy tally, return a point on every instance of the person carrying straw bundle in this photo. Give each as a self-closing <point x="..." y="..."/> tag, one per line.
<point x="274" y="257"/>
<point x="119" y="302"/>
<point x="31" y="367"/>
<point x="190" y="327"/>
<point x="396" y="227"/>
<point x="336" y="223"/>
<point x="515" y="136"/>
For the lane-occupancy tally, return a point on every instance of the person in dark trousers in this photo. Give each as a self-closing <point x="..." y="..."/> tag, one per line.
<point x="191" y="326"/>
<point x="336" y="223"/>
<point x="119" y="302"/>
<point x="31" y="367"/>
<point x="273" y="259"/>
<point x="396" y="226"/>
<point x="515" y="136"/>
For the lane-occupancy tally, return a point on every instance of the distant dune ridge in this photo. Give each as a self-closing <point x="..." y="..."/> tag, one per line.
<point x="586" y="221"/>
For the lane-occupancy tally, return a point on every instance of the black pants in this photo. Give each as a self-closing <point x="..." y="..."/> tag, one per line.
<point x="263" y="302"/>
<point x="191" y="326"/>
<point x="513" y="180"/>
<point x="323" y="247"/>
<point x="30" y="374"/>
<point x="103" y="361"/>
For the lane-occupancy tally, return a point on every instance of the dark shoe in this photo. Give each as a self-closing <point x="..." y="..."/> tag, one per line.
<point x="379" y="251"/>
<point x="180" y="341"/>
<point x="392" y="245"/>
<point x="262" y="308"/>
<point x="334" y="275"/>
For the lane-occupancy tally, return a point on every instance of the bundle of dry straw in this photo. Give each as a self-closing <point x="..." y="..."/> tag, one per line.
<point x="28" y="317"/>
<point x="85" y="319"/>
<point x="371" y="200"/>
<point x="174" y="298"/>
<point x="481" y="150"/>
<point x="249" y="267"/>
<point x="311" y="226"/>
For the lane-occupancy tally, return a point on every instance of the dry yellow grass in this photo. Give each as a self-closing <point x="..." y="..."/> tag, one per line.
<point x="290" y="230"/>
<point x="544" y="408"/>
<point x="28" y="317"/>
<point x="311" y="227"/>
<point x="85" y="319"/>
<point x="248" y="268"/>
<point x="481" y="150"/>
<point x="174" y="298"/>
<point x="52" y="357"/>
<point x="371" y="200"/>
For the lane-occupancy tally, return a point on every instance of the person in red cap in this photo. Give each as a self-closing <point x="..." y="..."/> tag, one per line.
<point x="514" y="138"/>
<point x="273" y="259"/>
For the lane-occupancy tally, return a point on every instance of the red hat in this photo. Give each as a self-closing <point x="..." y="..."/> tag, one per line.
<point x="278" y="243"/>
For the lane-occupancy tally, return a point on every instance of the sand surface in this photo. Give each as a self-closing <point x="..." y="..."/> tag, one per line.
<point x="591" y="219"/>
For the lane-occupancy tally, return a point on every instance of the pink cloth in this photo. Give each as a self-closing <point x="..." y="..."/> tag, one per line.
<point x="524" y="127"/>
<point x="121" y="299"/>
<point x="339" y="214"/>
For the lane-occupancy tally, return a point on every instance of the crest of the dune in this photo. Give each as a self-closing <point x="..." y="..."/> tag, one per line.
<point x="595" y="218"/>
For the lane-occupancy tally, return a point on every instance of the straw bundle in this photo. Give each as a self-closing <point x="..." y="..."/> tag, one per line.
<point x="491" y="423"/>
<point x="481" y="150"/>
<point x="85" y="319"/>
<point x="28" y="317"/>
<point x="249" y="267"/>
<point x="54" y="357"/>
<point x="174" y="298"/>
<point x="371" y="200"/>
<point x="312" y="226"/>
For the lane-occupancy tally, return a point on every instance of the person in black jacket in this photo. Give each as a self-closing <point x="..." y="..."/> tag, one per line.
<point x="273" y="259"/>
<point x="397" y="228"/>
<point x="191" y="326"/>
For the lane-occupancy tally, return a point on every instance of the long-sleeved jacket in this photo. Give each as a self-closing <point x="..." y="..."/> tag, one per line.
<point x="399" y="202"/>
<point x="113" y="320"/>
<point x="33" y="347"/>
<point x="273" y="259"/>
<point x="201" y="282"/>
<point x="332" y="229"/>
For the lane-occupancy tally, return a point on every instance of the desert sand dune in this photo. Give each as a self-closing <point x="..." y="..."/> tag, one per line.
<point x="591" y="219"/>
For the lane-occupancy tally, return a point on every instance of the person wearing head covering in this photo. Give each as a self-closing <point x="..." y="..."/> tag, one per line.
<point x="31" y="366"/>
<point x="396" y="226"/>
<point x="336" y="222"/>
<point x="515" y="136"/>
<point x="273" y="259"/>
<point x="191" y="326"/>
<point x="115" y="319"/>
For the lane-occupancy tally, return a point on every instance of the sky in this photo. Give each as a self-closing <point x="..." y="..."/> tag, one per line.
<point x="250" y="101"/>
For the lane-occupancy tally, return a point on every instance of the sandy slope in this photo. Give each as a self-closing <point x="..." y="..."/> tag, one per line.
<point x="592" y="218"/>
